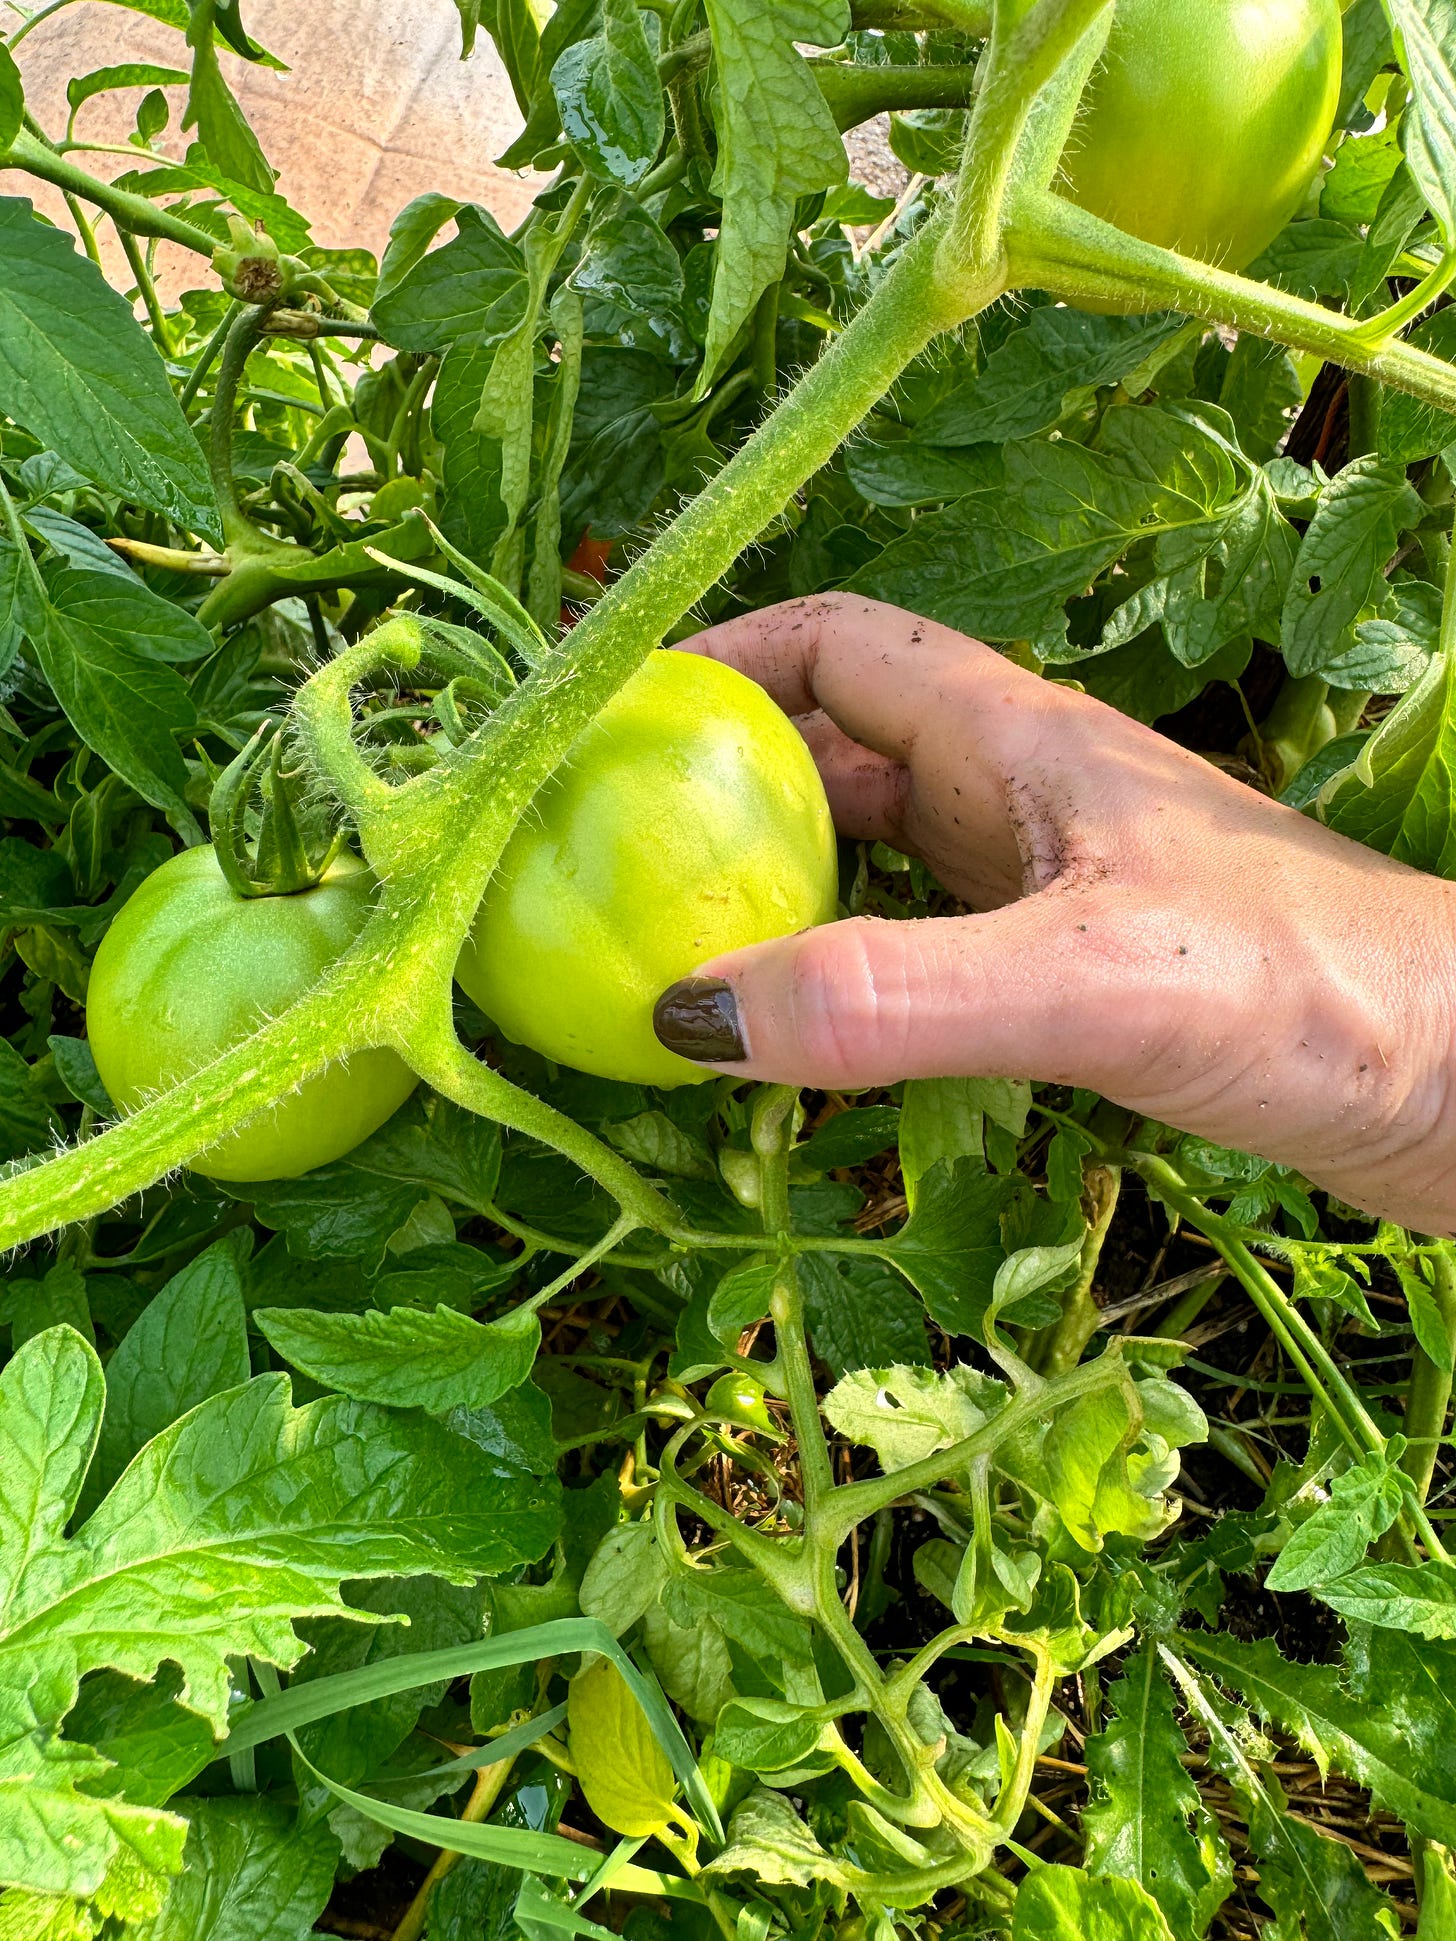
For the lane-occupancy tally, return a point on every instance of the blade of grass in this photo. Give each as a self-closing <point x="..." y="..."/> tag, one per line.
<point x="549" y="1913"/>
<point x="518" y="1739"/>
<point x="320" y="1698"/>
<point x="508" y="1846"/>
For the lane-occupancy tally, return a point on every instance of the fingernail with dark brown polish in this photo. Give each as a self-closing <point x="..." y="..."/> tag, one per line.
<point x="698" y="1018"/>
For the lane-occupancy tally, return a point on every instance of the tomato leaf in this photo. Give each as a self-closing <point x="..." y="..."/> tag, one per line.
<point x="129" y="710"/>
<point x="1425" y="41"/>
<point x="123" y="610"/>
<point x="198" y="170"/>
<point x="623" y="1771"/>
<point x="1147" y="1821"/>
<point x="610" y="98"/>
<point x="474" y="514"/>
<point x="12" y="99"/>
<point x="212" y="107"/>
<point x="741" y="1297"/>
<point x="1418" y="1598"/>
<point x="473" y="288"/>
<point x="769" y="1842"/>
<point x="1066" y="1904"/>
<point x="765" y="1735"/>
<point x="242" y="1516"/>
<point x="77" y="369"/>
<point x="1052" y="365"/>
<point x="1364" y="1502"/>
<point x="1398" y="795"/>
<point x="189" y="1342"/>
<point x="849" y="1138"/>
<point x="438" y="1147"/>
<point x="777" y="141"/>
<point x="1051" y="515"/>
<point x="905" y="1414"/>
<point x="950" y="1248"/>
<point x="405" y="1358"/>
<point x="127" y="74"/>
<point x="248" y="1868"/>
<point x="733" y="1601"/>
<point x="1340" y="569"/>
<point x="860" y="1313"/>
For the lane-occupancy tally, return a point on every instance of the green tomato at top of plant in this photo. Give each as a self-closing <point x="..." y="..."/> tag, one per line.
<point x="1203" y="124"/>
<point x="689" y="819"/>
<point x="188" y="970"/>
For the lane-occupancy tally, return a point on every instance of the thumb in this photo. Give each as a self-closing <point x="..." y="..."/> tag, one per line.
<point x="1024" y="990"/>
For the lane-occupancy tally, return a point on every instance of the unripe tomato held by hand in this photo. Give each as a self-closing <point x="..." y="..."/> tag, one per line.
<point x="189" y="970"/>
<point x="688" y="819"/>
<point x="1204" y="123"/>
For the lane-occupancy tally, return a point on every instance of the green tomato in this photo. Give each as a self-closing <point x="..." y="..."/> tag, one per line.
<point x="739" y="1398"/>
<point x="688" y="819"/>
<point x="189" y="970"/>
<point x="1203" y="125"/>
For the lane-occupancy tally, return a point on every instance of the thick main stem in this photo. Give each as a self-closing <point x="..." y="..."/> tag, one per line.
<point x="194" y="1115"/>
<point x="608" y="644"/>
<point x="1023" y="69"/>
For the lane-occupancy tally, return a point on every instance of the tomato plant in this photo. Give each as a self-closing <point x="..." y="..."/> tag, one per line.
<point x="189" y="969"/>
<point x="688" y="820"/>
<point x="962" y="1510"/>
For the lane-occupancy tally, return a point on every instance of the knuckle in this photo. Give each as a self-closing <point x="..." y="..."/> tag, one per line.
<point x="848" y="1008"/>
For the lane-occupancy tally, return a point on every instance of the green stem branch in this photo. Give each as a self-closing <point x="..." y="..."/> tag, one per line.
<point x="244" y="539"/>
<point x="1052" y="245"/>
<point x="1024" y="60"/>
<point x="1429" y="1395"/>
<point x="127" y="211"/>
<point x="147" y="290"/>
<point x="1323" y="1376"/>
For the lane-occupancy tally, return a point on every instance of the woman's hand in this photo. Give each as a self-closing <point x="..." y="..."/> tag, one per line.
<point x="1150" y="928"/>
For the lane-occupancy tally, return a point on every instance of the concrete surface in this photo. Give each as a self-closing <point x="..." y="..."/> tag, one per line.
<point x="376" y="108"/>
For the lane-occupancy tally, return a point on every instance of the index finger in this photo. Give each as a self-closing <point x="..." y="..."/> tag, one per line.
<point x="882" y="675"/>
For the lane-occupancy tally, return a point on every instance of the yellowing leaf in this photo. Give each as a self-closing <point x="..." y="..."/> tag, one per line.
<point x="622" y="1769"/>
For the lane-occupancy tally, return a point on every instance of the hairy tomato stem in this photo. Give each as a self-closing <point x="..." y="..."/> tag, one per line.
<point x="456" y="1074"/>
<point x="1053" y="245"/>
<point x="183" y="1122"/>
<point x="1022" y="69"/>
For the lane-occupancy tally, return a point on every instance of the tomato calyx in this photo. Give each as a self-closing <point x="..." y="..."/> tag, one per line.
<point x="290" y="851"/>
<point x="253" y="269"/>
